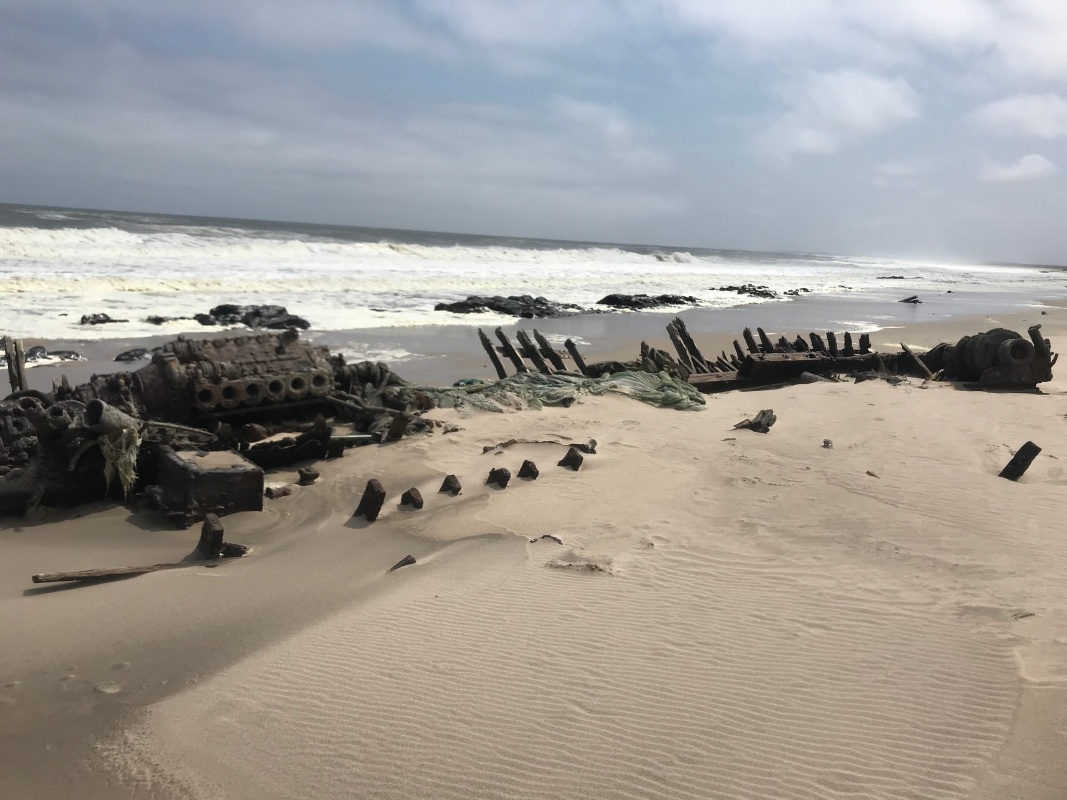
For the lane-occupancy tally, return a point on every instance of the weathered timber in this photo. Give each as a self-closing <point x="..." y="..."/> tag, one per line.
<point x="817" y="343"/>
<point x="510" y="352"/>
<point x="113" y="572"/>
<point x="831" y="343"/>
<point x="694" y="352"/>
<point x="210" y="543"/>
<point x="370" y="505"/>
<point x="500" y="476"/>
<point x="865" y="343"/>
<point x="548" y="352"/>
<point x="765" y="343"/>
<point x="750" y="343"/>
<point x="530" y="350"/>
<point x="406" y="561"/>
<point x="412" y="497"/>
<point x="529" y="470"/>
<point x="922" y="364"/>
<point x="1020" y="462"/>
<point x="717" y="381"/>
<point x="784" y="346"/>
<point x="738" y="350"/>
<point x="16" y="364"/>
<point x="573" y="460"/>
<point x="849" y="350"/>
<point x="579" y="362"/>
<point x="761" y="423"/>
<point x="450" y="485"/>
<point x="397" y="427"/>
<point x="800" y="345"/>
<point x="776" y="367"/>
<point x="493" y="357"/>
<point x="1040" y="345"/>
<point x="679" y="346"/>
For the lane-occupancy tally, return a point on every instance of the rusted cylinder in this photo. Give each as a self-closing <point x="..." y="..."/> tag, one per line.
<point x="297" y="387"/>
<point x="205" y="396"/>
<point x="231" y="394"/>
<point x="1015" y="352"/>
<point x="275" y="389"/>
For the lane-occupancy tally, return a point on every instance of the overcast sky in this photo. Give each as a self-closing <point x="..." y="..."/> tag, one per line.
<point x="907" y="127"/>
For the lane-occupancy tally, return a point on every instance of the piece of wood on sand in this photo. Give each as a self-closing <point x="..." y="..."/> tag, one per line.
<point x="1020" y="462"/>
<point x="917" y="360"/>
<point x="510" y="351"/>
<point x="761" y="423"/>
<point x="488" y="345"/>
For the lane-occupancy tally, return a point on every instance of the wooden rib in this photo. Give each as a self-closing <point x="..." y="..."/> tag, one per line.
<point x="750" y="343"/>
<point x="530" y="349"/>
<point x="579" y="362"/>
<point x="831" y="343"/>
<point x="548" y="352"/>
<point x="488" y="345"/>
<point x="510" y="351"/>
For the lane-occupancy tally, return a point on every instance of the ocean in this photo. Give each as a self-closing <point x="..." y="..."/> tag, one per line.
<point x="371" y="292"/>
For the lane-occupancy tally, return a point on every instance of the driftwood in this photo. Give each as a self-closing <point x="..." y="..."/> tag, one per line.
<point x="761" y="423"/>
<point x="1020" y="462"/>
<point x="227" y="551"/>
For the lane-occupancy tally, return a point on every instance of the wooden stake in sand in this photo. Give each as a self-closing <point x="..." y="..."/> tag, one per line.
<point x="16" y="363"/>
<point x="370" y="505"/>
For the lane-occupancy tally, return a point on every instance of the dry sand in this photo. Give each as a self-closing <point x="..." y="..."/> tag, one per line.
<point x="729" y="614"/>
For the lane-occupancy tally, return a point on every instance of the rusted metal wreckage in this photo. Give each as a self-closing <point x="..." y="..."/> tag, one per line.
<point x="996" y="359"/>
<point x="193" y="430"/>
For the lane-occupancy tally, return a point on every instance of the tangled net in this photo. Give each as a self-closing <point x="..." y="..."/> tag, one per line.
<point x="536" y="390"/>
<point x="120" y="457"/>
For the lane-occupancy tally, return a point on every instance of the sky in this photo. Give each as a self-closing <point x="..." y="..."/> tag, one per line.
<point x="923" y="128"/>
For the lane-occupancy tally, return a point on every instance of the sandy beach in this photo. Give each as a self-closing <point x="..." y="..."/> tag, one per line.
<point x="725" y="613"/>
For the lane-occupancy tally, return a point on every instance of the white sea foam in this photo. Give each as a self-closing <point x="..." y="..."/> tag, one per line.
<point x="49" y="278"/>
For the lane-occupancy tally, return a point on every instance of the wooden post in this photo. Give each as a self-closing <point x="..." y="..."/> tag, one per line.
<point x="488" y="345"/>
<point x="1035" y="336"/>
<point x="1020" y="462"/>
<point x="800" y="345"/>
<point x="579" y="362"/>
<point x="831" y="343"/>
<point x="530" y="349"/>
<point x="865" y="343"/>
<point x="549" y="353"/>
<point x="784" y="345"/>
<point x="765" y="343"/>
<point x="16" y="364"/>
<point x="817" y="343"/>
<point x="683" y="332"/>
<point x="510" y="352"/>
<point x="849" y="349"/>
<point x="739" y="351"/>
<point x="750" y="343"/>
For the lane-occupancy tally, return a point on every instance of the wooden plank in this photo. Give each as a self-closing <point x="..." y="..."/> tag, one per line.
<point x="576" y="356"/>
<point x="738" y="350"/>
<point x="488" y="345"/>
<point x="510" y="351"/>
<point x="530" y="349"/>
<point x="817" y="343"/>
<point x="548" y="352"/>
<point x="917" y="360"/>
<point x="114" y="572"/>
<point x="1020" y="462"/>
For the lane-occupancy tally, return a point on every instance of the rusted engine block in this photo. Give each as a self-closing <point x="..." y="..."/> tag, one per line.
<point x="188" y="379"/>
<point x="996" y="358"/>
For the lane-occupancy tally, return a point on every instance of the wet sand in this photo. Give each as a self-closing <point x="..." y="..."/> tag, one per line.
<point x="729" y="614"/>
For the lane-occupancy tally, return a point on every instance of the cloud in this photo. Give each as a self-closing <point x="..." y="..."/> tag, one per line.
<point x="1040" y="115"/>
<point x="1027" y="168"/>
<point x="831" y="109"/>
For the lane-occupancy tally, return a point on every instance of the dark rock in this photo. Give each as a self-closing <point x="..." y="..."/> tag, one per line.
<point x="1020" y="462"/>
<point x="274" y="492"/>
<point x="752" y="290"/>
<point x="451" y="486"/>
<point x="761" y="423"/>
<point x="65" y="355"/>
<point x="370" y="505"/>
<point x="211" y="536"/>
<point x="406" y="561"/>
<point x="132" y="355"/>
<point x="529" y="470"/>
<point x="308" y="475"/>
<point x="99" y="319"/>
<point x="500" y="476"/>
<point x="589" y="448"/>
<point x="412" y="497"/>
<point x="524" y="306"/>
<point x="252" y="433"/>
<point x="892" y="278"/>
<point x="795" y="292"/>
<point x="640" y="302"/>
<point x="36" y="353"/>
<point x="573" y="460"/>
<point x="156" y="320"/>
<point x="913" y="299"/>
<point x="270" y="317"/>
<point x="232" y="550"/>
